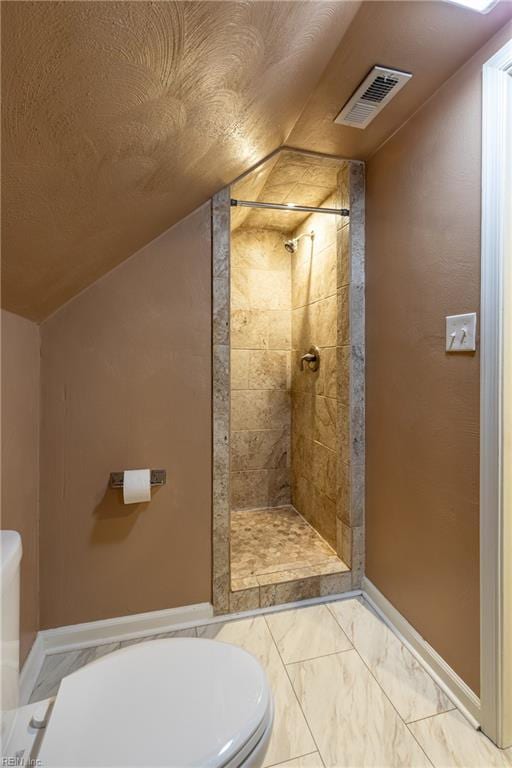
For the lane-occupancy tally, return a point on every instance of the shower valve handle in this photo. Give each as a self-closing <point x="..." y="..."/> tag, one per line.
<point x="312" y="358"/>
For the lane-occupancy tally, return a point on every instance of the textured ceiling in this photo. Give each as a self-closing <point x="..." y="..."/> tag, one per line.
<point x="119" y="118"/>
<point x="430" y="39"/>
<point x="287" y="177"/>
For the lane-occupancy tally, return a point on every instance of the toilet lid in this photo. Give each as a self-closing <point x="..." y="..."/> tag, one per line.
<point x="172" y="702"/>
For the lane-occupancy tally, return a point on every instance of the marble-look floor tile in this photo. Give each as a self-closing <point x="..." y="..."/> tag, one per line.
<point x="351" y="719"/>
<point x="307" y="761"/>
<point x="410" y="689"/>
<point x="189" y="632"/>
<point x="306" y="633"/>
<point x="59" y="665"/>
<point x="451" y="742"/>
<point x="290" y="735"/>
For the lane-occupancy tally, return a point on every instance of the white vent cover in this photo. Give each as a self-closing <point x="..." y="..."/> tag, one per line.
<point x="378" y="87"/>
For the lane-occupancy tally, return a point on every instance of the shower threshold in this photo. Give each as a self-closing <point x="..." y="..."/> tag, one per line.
<point x="277" y="545"/>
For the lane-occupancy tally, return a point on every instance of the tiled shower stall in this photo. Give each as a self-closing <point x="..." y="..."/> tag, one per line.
<point x="289" y="440"/>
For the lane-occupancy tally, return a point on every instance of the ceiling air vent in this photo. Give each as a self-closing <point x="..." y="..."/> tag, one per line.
<point x="378" y="87"/>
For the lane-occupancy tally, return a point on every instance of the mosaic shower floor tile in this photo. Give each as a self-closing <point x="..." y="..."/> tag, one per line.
<point x="273" y="545"/>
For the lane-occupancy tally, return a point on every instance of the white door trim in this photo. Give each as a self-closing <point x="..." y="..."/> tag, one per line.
<point x="496" y="131"/>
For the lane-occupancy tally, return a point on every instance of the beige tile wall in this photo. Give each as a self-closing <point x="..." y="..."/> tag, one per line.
<point x="320" y="399"/>
<point x="260" y="369"/>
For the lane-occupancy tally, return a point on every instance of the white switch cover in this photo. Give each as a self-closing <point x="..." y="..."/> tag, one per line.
<point x="461" y="333"/>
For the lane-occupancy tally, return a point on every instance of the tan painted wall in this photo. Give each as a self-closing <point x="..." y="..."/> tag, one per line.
<point x="126" y="383"/>
<point x="20" y="458"/>
<point x="260" y="369"/>
<point x="423" y="252"/>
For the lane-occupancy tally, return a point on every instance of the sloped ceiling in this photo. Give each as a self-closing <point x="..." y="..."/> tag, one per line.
<point x="430" y="39"/>
<point x="119" y="118"/>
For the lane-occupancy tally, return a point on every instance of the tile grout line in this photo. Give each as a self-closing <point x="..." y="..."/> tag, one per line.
<point x="298" y="757"/>
<point x="429" y="717"/>
<point x="320" y="656"/>
<point x="385" y="694"/>
<point x="294" y="691"/>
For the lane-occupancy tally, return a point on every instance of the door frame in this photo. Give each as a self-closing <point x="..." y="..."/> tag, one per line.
<point x="495" y="509"/>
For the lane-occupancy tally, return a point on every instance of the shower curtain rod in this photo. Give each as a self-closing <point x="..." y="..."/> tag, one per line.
<point x="290" y="207"/>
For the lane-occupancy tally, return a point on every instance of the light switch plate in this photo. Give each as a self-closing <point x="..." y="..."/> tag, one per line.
<point x="461" y="333"/>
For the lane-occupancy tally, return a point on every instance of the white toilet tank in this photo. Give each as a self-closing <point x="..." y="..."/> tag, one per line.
<point x="10" y="625"/>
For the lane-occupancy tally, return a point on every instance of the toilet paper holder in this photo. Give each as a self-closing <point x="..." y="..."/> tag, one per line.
<point x="157" y="477"/>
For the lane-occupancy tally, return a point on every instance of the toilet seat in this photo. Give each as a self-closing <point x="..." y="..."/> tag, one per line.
<point x="168" y="703"/>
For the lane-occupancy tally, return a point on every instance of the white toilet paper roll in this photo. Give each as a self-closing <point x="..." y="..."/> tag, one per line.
<point x="136" y="485"/>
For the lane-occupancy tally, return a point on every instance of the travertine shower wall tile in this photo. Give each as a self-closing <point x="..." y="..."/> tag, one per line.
<point x="324" y="516"/>
<point x="314" y="393"/>
<point x="323" y="316"/>
<point x="328" y="381"/>
<point x="260" y="488"/>
<point x="328" y="405"/>
<point x="260" y="449"/>
<point x="302" y="332"/>
<point x="260" y="329"/>
<point x="279" y="329"/>
<point x="322" y="176"/>
<point x="343" y="490"/>
<point x="343" y="256"/>
<point x="343" y="316"/>
<point x="249" y="329"/>
<point x="343" y="357"/>
<point x="269" y="370"/>
<point x="259" y="249"/>
<point x="289" y="592"/>
<point x="302" y="496"/>
<point x="260" y="289"/>
<point x="239" y="369"/>
<point x="343" y="430"/>
<point x="323" y="273"/>
<point x="302" y="454"/>
<point x="301" y="274"/>
<point x="261" y="369"/>
<point x="259" y="409"/>
<point x="303" y="413"/>
<point x="324" y="470"/>
<point x="325" y="421"/>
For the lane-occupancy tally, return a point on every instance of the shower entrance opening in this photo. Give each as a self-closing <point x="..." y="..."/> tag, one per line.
<point x="288" y="298"/>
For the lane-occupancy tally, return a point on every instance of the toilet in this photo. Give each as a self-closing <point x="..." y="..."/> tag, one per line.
<point x="170" y="703"/>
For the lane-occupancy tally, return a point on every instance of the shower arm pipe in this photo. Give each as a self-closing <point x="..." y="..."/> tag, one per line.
<point x="285" y="207"/>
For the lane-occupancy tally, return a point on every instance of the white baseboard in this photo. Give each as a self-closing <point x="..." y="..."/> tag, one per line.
<point x="77" y="636"/>
<point x="447" y="679"/>
<point x="30" y="670"/>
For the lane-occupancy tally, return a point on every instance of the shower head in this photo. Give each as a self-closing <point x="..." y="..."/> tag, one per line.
<point x="291" y="245"/>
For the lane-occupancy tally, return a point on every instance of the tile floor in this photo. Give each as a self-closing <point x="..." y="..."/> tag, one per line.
<point x="270" y="546"/>
<point x="347" y="693"/>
